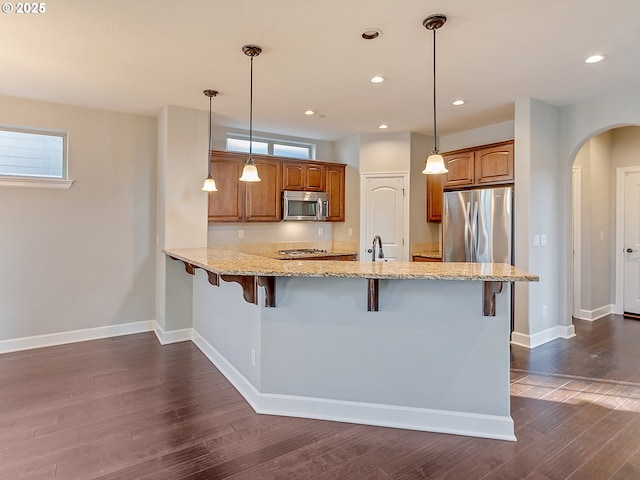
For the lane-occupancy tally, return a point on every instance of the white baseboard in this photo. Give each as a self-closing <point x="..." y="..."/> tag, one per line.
<point x="592" y="315"/>
<point x="51" y="339"/>
<point x="172" y="336"/>
<point x="441" y="421"/>
<point x="540" y="338"/>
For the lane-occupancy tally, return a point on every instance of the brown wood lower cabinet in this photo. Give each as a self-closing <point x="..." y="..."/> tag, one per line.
<point x="416" y="258"/>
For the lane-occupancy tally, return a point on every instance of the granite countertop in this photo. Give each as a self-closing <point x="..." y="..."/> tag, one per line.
<point x="226" y="262"/>
<point x="434" y="254"/>
<point x="310" y="255"/>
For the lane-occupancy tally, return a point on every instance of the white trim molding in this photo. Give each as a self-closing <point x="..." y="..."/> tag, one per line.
<point x="172" y="336"/>
<point x="51" y="339"/>
<point x="35" y="182"/>
<point x="441" y="421"/>
<point x="592" y="315"/>
<point x="545" y="336"/>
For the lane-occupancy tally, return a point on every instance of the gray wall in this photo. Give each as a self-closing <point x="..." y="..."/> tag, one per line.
<point x="84" y="257"/>
<point x="597" y="223"/>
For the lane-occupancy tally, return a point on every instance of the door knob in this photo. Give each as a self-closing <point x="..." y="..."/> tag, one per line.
<point x="629" y="250"/>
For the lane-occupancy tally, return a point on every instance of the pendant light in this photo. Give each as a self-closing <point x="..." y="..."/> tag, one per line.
<point x="250" y="172"/>
<point x="435" y="162"/>
<point x="209" y="183"/>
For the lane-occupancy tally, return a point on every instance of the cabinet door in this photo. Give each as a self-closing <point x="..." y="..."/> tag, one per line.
<point x="460" y="166"/>
<point x="494" y="164"/>
<point x="335" y="189"/>
<point x="434" y="197"/>
<point x="292" y="176"/>
<point x="262" y="199"/>
<point x="303" y="176"/>
<point x="226" y="204"/>
<point x="314" y="176"/>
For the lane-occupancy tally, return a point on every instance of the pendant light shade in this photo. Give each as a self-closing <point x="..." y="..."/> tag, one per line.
<point x="250" y="172"/>
<point x="435" y="162"/>
<point x="209" y="182"/>
<point x="435" y="165"/>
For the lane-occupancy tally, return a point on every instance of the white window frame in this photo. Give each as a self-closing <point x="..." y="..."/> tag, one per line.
<point x="271" y="142"/>
<point x="35" y="181"/>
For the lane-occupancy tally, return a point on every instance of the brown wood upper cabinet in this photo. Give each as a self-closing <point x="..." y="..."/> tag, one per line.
<point x="485" y="165"/>
<point x="237" y="201"/>
<point x="471" y="167"/>
<point x="335" y="189"/>
<point x="303" y="176"/>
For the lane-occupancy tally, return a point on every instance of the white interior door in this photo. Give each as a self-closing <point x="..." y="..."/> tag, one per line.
<point x="632" y="242"/>
<point x="385" y="215"/>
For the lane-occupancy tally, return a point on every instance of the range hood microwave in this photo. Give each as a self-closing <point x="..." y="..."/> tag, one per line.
<point x="309" y="206"/>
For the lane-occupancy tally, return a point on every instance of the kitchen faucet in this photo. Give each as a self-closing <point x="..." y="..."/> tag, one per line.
<point x="372" y="250"/>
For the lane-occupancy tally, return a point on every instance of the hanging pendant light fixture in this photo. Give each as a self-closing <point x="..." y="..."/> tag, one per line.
<point x="435" y="162"/>
<point x="250" y="172"/>
<point x="209" y="183"/>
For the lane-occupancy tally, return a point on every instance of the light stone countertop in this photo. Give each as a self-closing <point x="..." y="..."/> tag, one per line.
<point x="433" y="254"/>
<point x="226" y="262"/>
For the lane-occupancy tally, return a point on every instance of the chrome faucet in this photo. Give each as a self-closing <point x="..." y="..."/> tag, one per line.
<point x="372" y="250"/>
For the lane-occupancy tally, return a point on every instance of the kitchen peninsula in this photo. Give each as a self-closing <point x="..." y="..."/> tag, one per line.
<point x="403" y="344"/>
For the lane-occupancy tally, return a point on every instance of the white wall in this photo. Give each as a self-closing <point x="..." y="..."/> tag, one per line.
<point x="420" y="229"/>
<point x="498" y="132"/>
<point x="84" y="257"/>
<point x="183" y="142"/>
<point x="385" y="152"/>
<point x="597" y="225"/>
<point x="347" y="151"/>
<point x="539" y="307"/>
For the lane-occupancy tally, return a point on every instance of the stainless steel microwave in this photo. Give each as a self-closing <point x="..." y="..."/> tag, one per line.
<point x="310" y="206"/>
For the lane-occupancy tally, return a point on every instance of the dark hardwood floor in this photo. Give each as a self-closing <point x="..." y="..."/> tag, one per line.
<point x="128" y="408"/>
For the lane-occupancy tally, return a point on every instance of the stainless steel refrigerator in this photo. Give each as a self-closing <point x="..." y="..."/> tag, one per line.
<point x="477" y="226"/>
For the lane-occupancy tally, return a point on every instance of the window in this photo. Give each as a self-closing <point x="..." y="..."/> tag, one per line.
<point x="33" y="158"/>
<point x="236" y="143"/>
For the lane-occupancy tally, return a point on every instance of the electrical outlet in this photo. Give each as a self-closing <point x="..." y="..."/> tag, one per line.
<point x="545" y="311"/>
<point x="253" y="357"/>
<point x="350" y="232"/>
<point x="543" y="240"/>
<point x="240" y="233"/>
<point x="601" y="235"/>
<point x="320" y="231"/>
<point x="536" y="240"/>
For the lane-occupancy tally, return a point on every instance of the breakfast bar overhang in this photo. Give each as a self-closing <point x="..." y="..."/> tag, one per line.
<point x="300" y="338"/>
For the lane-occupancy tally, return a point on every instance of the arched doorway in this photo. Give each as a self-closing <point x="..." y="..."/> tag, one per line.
<point x="598" y="171"/>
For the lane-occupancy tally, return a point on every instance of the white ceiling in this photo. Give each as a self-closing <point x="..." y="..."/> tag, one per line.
<point x="135" y="56"/>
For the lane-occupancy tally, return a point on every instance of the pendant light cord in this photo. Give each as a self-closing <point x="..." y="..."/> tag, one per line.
<point x="210" y="146"/>
<point x="435" y="131"/>
<point x="251" y="114"/>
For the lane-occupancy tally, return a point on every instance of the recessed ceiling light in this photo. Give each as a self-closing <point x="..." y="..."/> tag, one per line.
<point x="377" y="79"/>
<point x="594" y="59"/>
<point x="383" y="126"/>
<point x="458" y="102"/>
<point x="309" y="112"/>
<point x="371" y="33"/>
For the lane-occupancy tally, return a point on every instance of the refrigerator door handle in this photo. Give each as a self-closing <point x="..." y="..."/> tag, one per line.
<point x="467" y="233"/>
<point x="476" y="240"/>
<point x="474" y="232"/>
